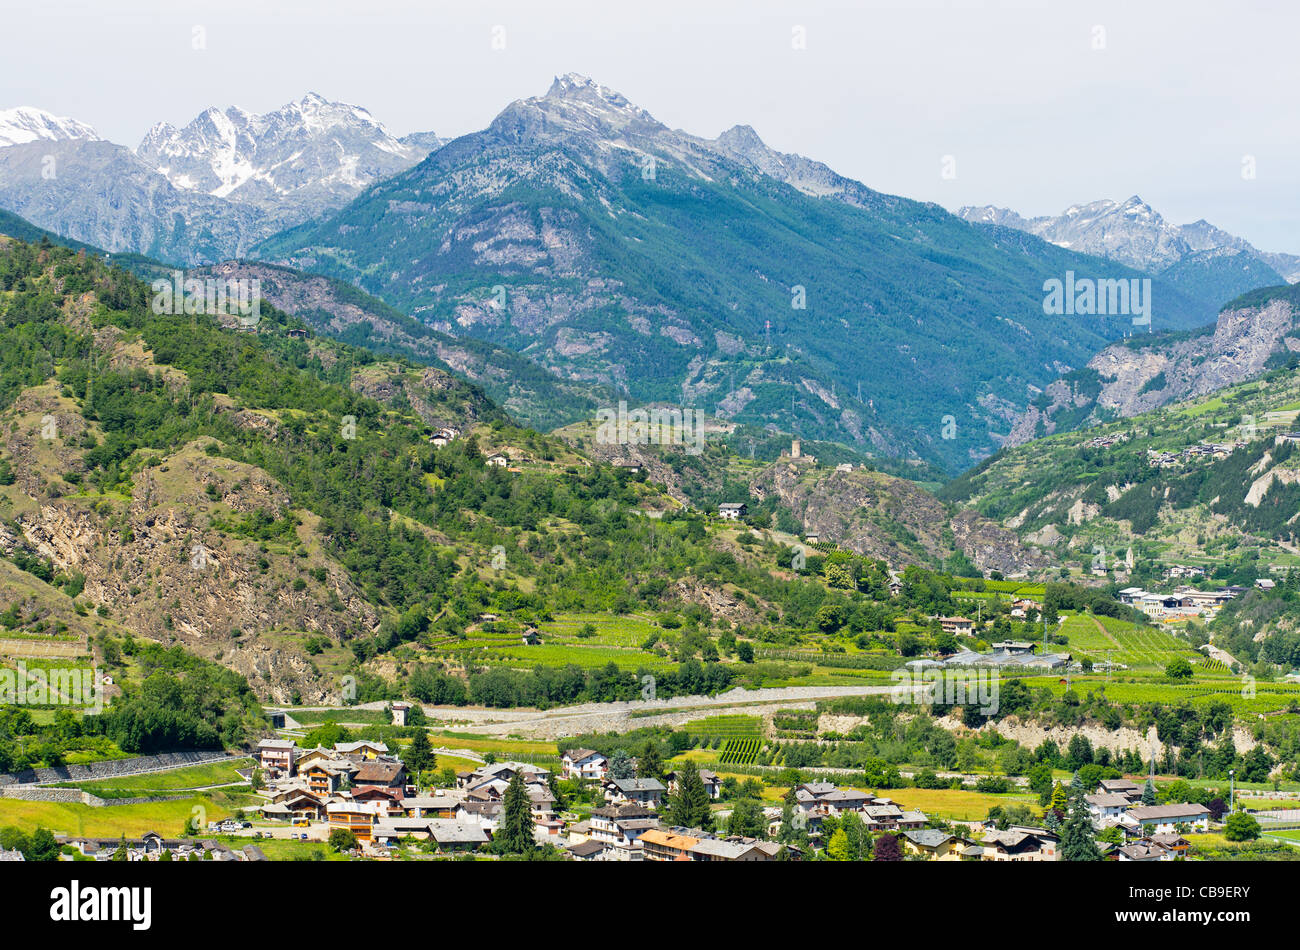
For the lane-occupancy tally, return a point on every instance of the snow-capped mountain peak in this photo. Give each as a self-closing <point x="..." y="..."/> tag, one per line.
<point x="26" y="124"/>
<point x="312" y="147"/>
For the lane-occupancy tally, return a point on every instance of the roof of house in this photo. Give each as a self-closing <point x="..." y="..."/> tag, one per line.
<point x="883" y="811"/>
<point x="454" y="831"/>
<point x="434" y="801"/>
<point x="1119" y="785"/>
<point x="346" y="747"/>
<point x="727" y="850"/>
<point x="1171" y="812"/>
<point x="1143" y="851"/>
<point x="585" y="849"/>
<point x="637" y="785"/>
<point x="580" y="755"/>
<point x="277" y="744"/>
<point x="626" y="810"/>
<point x="931" y="837"/>
<point x="377" y="772"/>
<point x="1018" y="837"/>
<point x="1108" y="800"/>
<point x="819" y="788"/>
<point x="485" y="809"/>
<point x="637" y="824"/>
<point x="670" y="839"/>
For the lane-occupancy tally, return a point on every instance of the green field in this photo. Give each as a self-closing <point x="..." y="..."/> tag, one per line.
<point x="616" y="640"/>
<point x="112" y="821"/>
<point x="161" y="783"/>
<point x="1119" y="641"/>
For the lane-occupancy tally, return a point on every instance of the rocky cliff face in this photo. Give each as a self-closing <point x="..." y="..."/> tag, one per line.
<point x="175" y="561"/>
<point x="885" y="517"/>
<point x="102" y="194"/>
<point x="512" y="381"/>
<point x="1136" y="377"/>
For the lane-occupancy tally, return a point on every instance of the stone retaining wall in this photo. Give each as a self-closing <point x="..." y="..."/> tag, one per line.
<point x="111" y="768"/>
<point x="31" y="793"/>
<point x="75" y="796"/>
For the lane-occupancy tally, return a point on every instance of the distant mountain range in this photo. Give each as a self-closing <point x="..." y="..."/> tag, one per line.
<point x="203" y="193"/>
<point x="309" y="154"/>
<point x="756" y="285"/>
<point x="1197" y="257"/>
<point x="611" y="254"/>
<point x="22" y="125"/>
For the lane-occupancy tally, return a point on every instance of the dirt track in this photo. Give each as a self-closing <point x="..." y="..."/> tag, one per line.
<point x="623" y="717"/>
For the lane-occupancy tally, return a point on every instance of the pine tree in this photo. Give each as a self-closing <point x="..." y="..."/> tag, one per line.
<point x="1149" y="793"/>
<point x="515" y="834"/>
<point x="746" y="819"/>
<point x="650" y="764"/>
<point x="419" y="754"/>
<point x="793" y="830"/>
<point x="1077" y="839"/>
<point x="620" y="765"/>
<point x="688" y="807"/>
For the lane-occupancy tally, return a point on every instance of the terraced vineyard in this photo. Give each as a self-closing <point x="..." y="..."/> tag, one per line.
<point x="726" y="727"/>
<point x="1119" y="641"/>
<point x="1245" y="697"/>
<point x="740" y="751"/>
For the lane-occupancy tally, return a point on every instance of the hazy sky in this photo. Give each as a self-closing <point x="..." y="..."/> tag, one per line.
<point x="1034" y="117"/>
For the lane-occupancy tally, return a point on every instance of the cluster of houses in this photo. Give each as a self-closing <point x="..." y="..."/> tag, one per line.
<point x="1006" y="653"/>
<point x="1185" y="601"/>
<point x="1198" y="452"/>
<point x="444" y="437"/>
<point x="628" y="828"/>
<point x="1152" y="832"/>
<point x="815" y="801"/>
<point x="359" y="787"/>
<point x="1106" y="441"/>
<point x="630" y="831"/>
<point x="151" y="846"/>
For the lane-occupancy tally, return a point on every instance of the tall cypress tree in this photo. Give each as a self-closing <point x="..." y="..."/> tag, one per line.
<point x="419" y="755"/>
<point x="1077" y="840"/>
<point x="688" y="807"/>
<point x="515" y="834"/>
